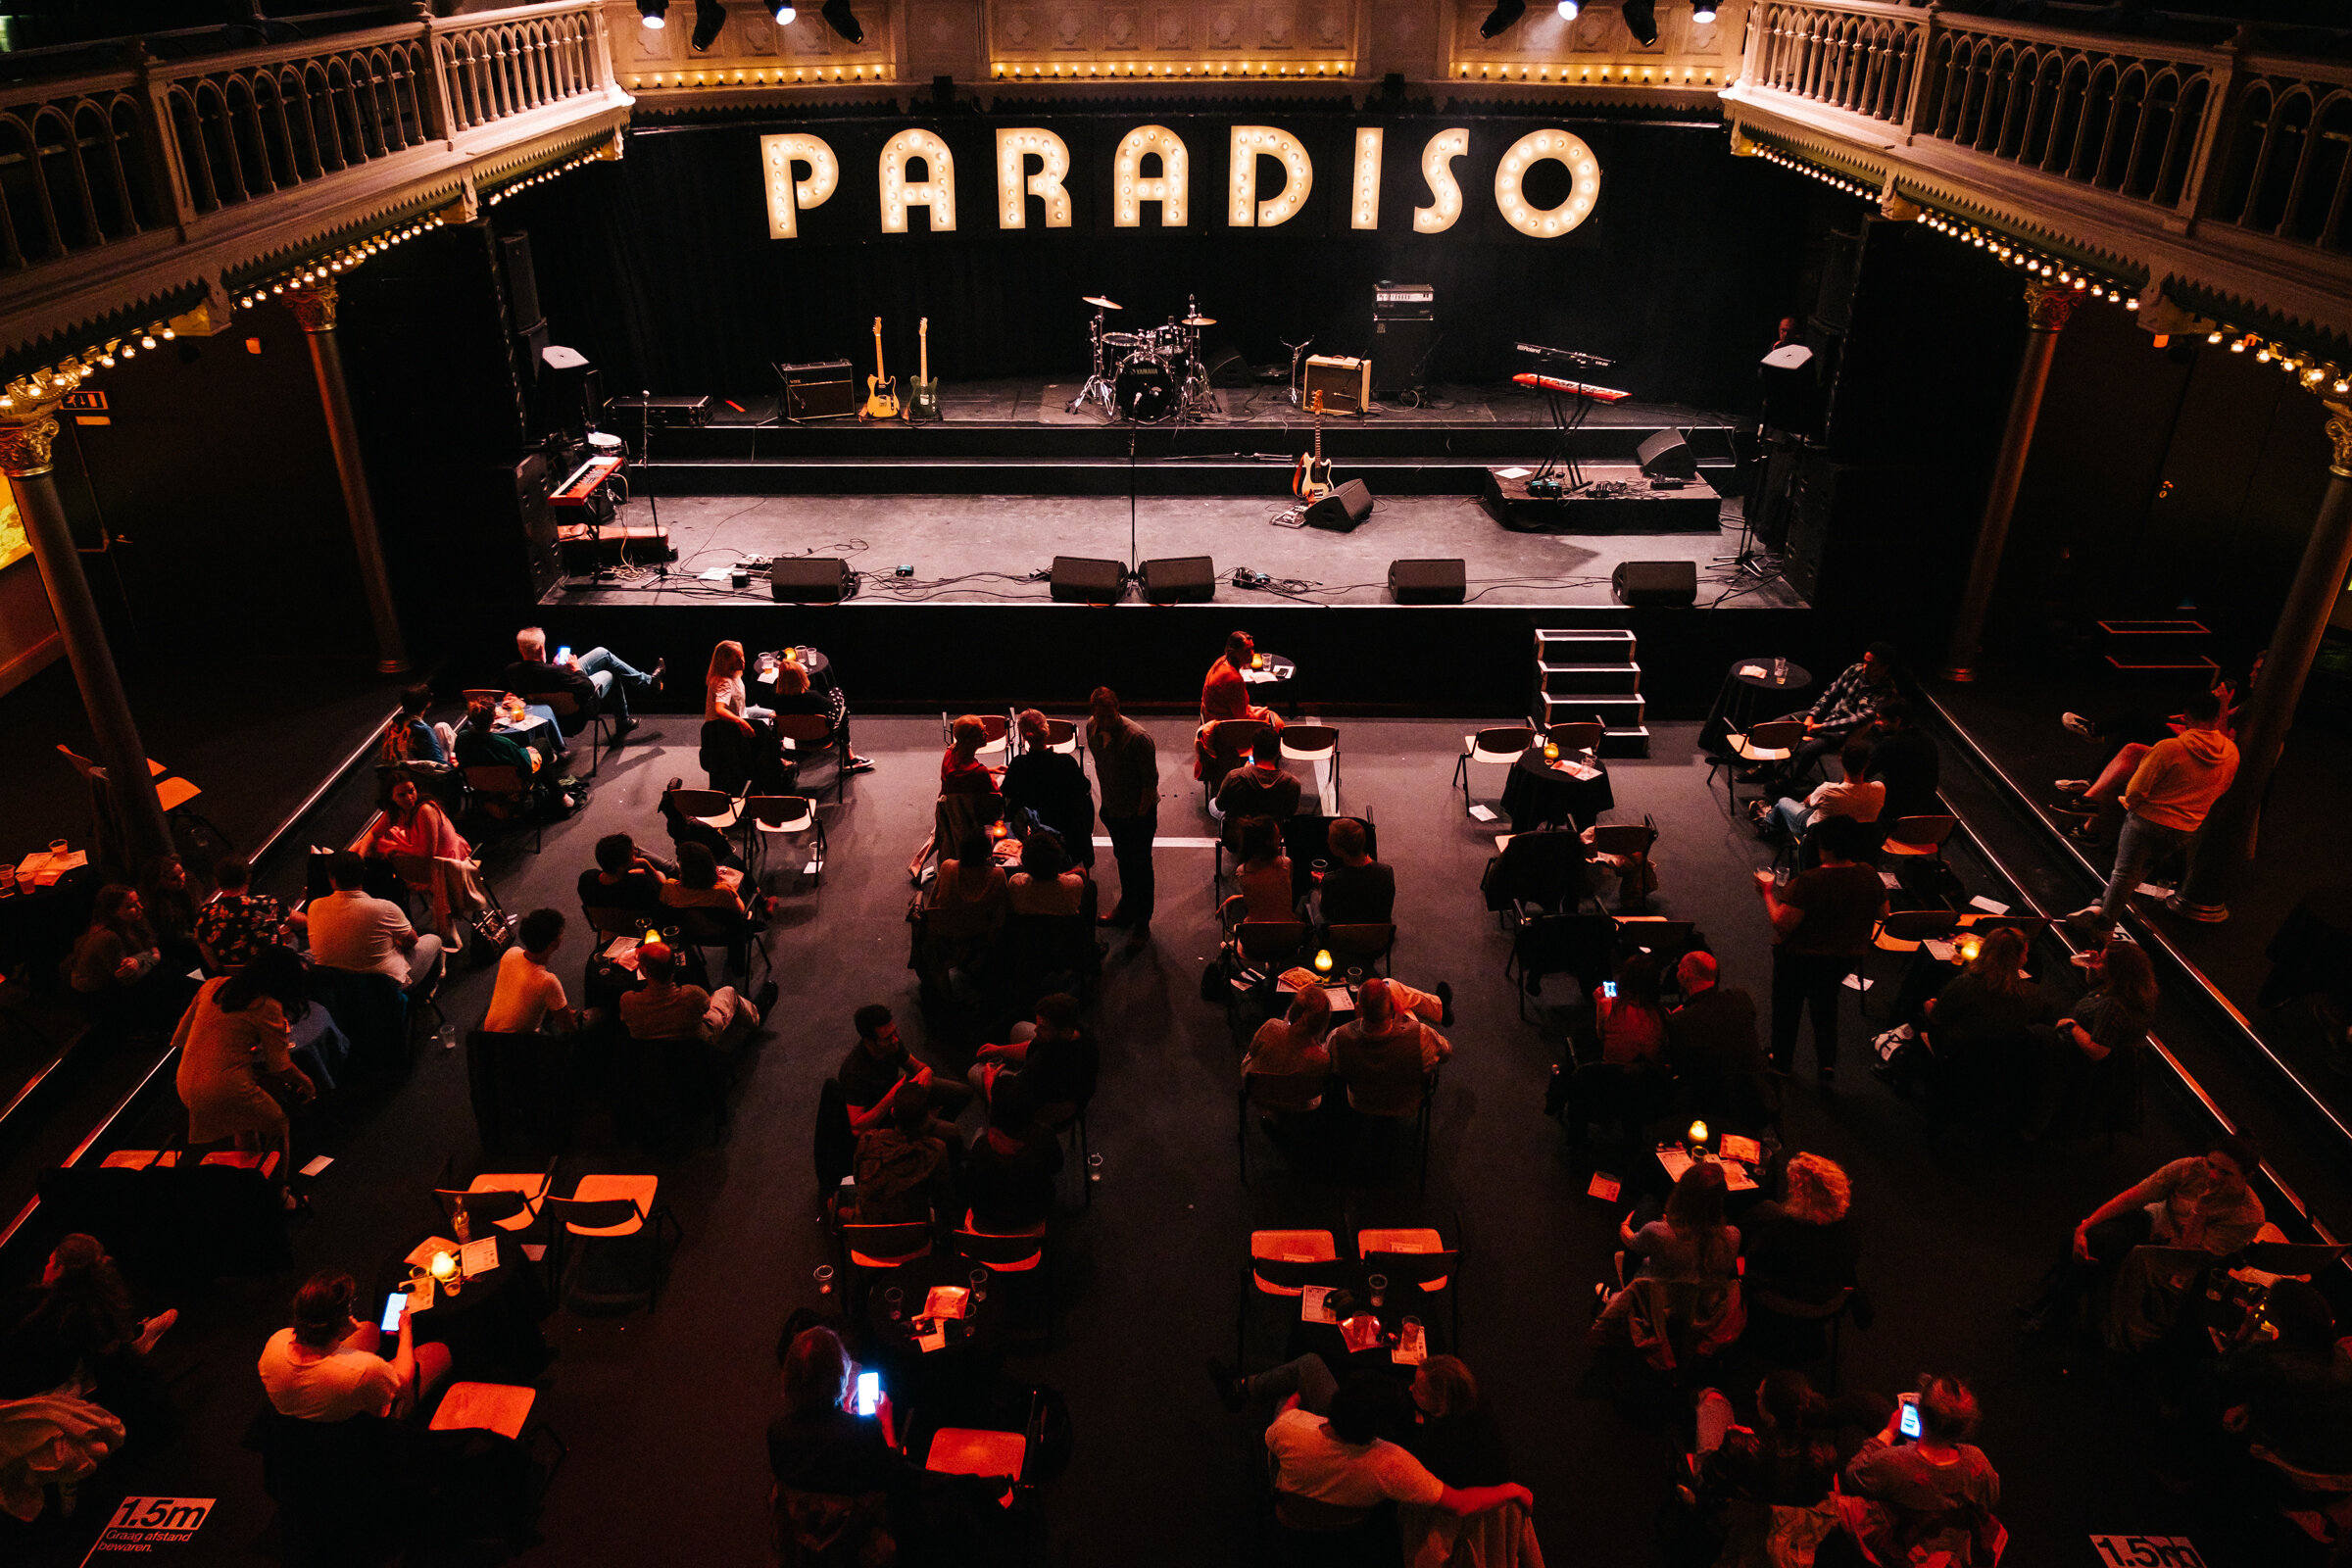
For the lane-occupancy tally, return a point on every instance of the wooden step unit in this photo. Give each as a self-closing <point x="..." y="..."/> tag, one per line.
<point x="1589" y="672"/>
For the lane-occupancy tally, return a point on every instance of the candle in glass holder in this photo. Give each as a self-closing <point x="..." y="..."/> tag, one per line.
<point x="1698" y="1135"/>
<point x="1257" y="660"/>
<point x="1551" y="750"/>
<point x="1322" y="961"/>
<point x="446" y="1277"/>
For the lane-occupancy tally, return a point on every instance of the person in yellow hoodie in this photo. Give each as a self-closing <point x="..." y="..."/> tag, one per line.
<point x="2174" y="785"/>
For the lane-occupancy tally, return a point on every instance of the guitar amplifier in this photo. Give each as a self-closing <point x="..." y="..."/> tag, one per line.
<point x="821" y="389"/>
<point x="1345" y="384"/>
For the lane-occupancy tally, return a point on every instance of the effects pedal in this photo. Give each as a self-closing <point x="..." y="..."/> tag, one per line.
<point x="1244" y="577"/>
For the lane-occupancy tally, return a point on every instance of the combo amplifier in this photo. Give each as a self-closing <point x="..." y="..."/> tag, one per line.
<point x="1345" y="383"/>
<point x="821" y="389"/>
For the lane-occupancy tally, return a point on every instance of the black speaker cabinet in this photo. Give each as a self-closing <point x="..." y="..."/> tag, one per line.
<point x="1085" y="580"/>
<point x="811" y="580"/>
<point x="522" y="281"/>
<point x="1667" y="455"/>
<point x="1429" y="582"/>
<point x="1340" y="511"/>
<point x="1180" y="581"/>
<point x="821" y="389"/>
<point x="1400" y="350"/>
<point x="1655" y="582"/>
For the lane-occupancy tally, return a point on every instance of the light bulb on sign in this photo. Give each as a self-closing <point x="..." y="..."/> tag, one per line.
<point x="1564" y="149"/>
<point x="1366" y="214"/>
<point x="1437" y="168"/>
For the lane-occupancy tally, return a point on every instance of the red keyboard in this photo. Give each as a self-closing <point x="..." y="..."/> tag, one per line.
<point x="1574" y="389"/>
<point x="588" y="479"/>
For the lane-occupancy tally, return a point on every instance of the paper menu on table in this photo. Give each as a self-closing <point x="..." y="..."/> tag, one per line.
<point x="1314" y="1305"/>
<point x="1736" y="1178"/>
<point x="1482" y="813"/>
<point x="1413" y="1346"/>
<point x="1512" y="473"/>
<point x="1940" y="951"/>
<point x="317" y="1164"/>
<point x="420" y="1294"/>
<point x="1989" y="906"/>
<point x="1604" y="1188"/>
<point x="1361" y="1332"/>
<point x="945" y="1302"/>
<point x="1675" y="1160"/>
<point x="1746" y="1150"/>
<point x="1890" y="880"/>
<point x="479" y="1256"/>
<point x="936" y="1339"/>
<point x="1753" y="671"/>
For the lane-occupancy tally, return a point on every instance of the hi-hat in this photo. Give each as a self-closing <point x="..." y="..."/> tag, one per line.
<point x="1200" y="321"/>
<point x="1104" y="304"/>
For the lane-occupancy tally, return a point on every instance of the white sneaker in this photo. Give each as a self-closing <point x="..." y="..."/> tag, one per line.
<point x="2078" y="724"/>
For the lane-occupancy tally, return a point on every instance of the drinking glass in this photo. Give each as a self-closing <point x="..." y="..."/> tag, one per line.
<point x="1380" y="1289"/>
<point x="979" y="1285"/>
<point x="824" y="1279"/>
<point x="896" y="1300"/>
<point x="57" y="847"/>
<point x="1094" y="1167"/>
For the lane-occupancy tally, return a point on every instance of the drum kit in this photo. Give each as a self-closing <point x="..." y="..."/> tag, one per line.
<point x="1157" y="373"/>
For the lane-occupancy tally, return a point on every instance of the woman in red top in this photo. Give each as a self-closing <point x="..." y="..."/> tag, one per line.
<point x="1632" y="1024"/>
<point x="1224" y="693"/>
<point x="960" y="770"/>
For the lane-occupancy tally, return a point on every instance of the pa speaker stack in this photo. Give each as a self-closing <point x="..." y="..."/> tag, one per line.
<point x="1667" y="455"/>
<point x="1341" y="508"/>
<point x="1086" y="581"/>
<point x="1180" y="579"/>
<point x="811" y="579"/>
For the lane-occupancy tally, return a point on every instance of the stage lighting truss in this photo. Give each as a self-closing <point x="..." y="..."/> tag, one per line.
<point x="653" y="14"/>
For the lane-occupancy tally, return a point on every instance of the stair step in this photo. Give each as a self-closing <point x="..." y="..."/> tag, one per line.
<point x="1587" y="643"/>
<point x="1619" y="711"/>
<point x="1568" y="679"/>
<point x="1630" y="742"/>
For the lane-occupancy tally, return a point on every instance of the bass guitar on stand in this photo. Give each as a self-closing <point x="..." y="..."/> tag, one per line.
<point x="1310" y="479"/>
<point x="923" y="393"/>
<point x="881" y="390"/>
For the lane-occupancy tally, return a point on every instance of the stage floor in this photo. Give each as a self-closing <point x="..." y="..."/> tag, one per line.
<point x="984" y="549"/>
<point x="1044" y="399"/>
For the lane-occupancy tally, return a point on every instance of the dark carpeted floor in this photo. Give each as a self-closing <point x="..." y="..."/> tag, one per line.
<point x="663" y="1410"/>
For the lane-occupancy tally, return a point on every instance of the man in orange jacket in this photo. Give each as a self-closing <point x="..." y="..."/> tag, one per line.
<point x="2174" y="785"/>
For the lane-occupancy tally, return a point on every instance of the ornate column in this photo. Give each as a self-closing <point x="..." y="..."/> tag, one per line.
<point x="2048" y="307"/>
<point x="314" y="305"/>
<point x="2225" y="847"/>
<point x="25" y="433"/>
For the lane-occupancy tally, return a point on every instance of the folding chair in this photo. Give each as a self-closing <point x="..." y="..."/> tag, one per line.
<point x="1290" y="1093"/>
<point x="806" y="735"/>
<point x="1368" y="944"/>
<point x="1920" y="838"/>
<point x="1772" y="741"/>
<point x="771" y="817"/>
<point x="566" y="705"/>
<point x="609" y="1209"/>
<point x="1417" y="1261"/>
<point x="708" y="928"/>
<point x="1582" y="945"/>
<point x="1577" y="735"/>
<point x="1501" y="746"/>
<point x="1229" y="840"/>
<point x="533" y="1188"/>
<point x="1282" y="1264"/>
<point x="482" y="694"/>
<point x="870" y="1249"/>
<point x="1311" y="744"/>
<point x="713" y="809"/>
<point x="1631" y="840"/>
<point x="503" y="789"/>
<point x="1014" y="1259"/>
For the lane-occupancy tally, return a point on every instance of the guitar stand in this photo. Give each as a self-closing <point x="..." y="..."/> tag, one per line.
<point x="1298" y="356"/>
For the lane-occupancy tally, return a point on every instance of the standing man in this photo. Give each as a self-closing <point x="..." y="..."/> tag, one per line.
<point x="2174" y="785"/>
<point x="600" y="679"/>
<point x="1820" y="926"/>
<point x="1127" y="768"/>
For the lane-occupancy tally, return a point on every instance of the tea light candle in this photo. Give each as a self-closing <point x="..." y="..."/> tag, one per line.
<point x="1551" y="750"/>
<point x="1322" y="961"/>
<point x="1698" y="1135"/>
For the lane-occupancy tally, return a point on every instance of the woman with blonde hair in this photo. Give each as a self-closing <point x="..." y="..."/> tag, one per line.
<point x="1802" y="1248"/>
<point x="723" y="690"/>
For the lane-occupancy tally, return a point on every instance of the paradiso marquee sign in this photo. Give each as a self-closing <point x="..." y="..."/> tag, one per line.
<point x="1191" y="173"/>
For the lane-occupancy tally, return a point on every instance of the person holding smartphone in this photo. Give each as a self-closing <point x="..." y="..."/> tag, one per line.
<point x="329" y="1366"/>
<point x="832" y="1450"/>
<point x="1933" y="1491"/>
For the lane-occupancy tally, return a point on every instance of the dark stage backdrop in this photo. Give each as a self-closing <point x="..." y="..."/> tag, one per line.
<point x="662" y="269"/>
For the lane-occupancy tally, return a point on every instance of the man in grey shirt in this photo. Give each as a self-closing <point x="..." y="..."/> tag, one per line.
<point x="1127" y="772"/>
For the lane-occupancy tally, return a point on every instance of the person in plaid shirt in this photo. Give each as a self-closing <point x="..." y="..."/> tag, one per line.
<point x="1849" y="705"/>
<point x="234" y="925"/>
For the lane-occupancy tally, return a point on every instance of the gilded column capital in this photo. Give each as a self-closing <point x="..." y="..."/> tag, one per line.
<point x="2051" y="306"/>
<point x="25" y="433"/>
<point x="1895" y="206"/>
<point x="314" y="305"/>
<point x="2339" y="438"/>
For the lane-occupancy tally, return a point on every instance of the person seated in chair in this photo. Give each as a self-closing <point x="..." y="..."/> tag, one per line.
<point x="480" y="745"/>
<point x="1712" y="1046"/>
<point x="1225" y="692"/>
<point x="411" y="738"/>
<point x="625" y="876"/>
<point x="597" y="681"/>
<point x="1293" y="1047"/>
<point x="2204" y="1203"/>
<point x="1047" y="882"/>
<point x="327" y="1367"/>
<point x="118" y="965"/>
<point x="1260" y="787"/>
<point x="1903" y="757"/>
<point x="236" y="923"/>
<point x="662" y="1009"/>
<point x="837" y="1473"/>
<point x="1053" y="785"/>
<point x="78" y="1326"/>
<point x="1627" y="1016"/>
<point x="960" y="770"/>
<point x="723" y="696"/>
<point x="529" y="996"/>
<point x="1847" y="705"/>
<point x="1008" y="1171"/>
<point x="413" y="823"/>
<point x="1384" y="1054"/>
<point x="1263" y="874"/>
<point x="879" y="1064"/>
<point x="1056" y="1060"/>
<point x="349" y="930"/>
<point x="1356" y="890"/>
<point x="702" y="883"/>
<point x="2291" y="1395"/>
<point x="795" y="695"/>
<point x="1930" y="1501"/>
<point x="1325" y="1447"/>
<point x="902" y="1165"/>
<point x="1801" y="1246"/>
<point x="1855" y="795"/>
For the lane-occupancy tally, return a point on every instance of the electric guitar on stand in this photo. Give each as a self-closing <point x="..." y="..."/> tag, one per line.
<point x="1310" y="481"/>
<point x="881" y="391"/>
<point x="923" y="393"/>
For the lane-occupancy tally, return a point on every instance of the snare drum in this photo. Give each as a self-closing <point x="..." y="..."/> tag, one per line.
<point x="602" y="444"/>
<point x="1145" y="390"/>
<point x="1126" y="340"/>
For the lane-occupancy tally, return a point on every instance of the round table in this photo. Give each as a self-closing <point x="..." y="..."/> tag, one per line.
<point x="813" y="660"/>
<point x="491" y="1325"/>
<point x="1537" y="793"/>
<point x="963" y="1368"/>
<point x="1273" y="683"/>
<point x="1400" y="1300"/>
<point x="537" y="728"/>
<point x="1744" y="700"/>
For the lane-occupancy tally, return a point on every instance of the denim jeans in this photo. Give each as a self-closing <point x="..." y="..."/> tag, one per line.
<point x="1307" y="1377"/>
<point x="1792" y="816"/>
<point x="614" y="678"/>
<point x="2138" y="847"/>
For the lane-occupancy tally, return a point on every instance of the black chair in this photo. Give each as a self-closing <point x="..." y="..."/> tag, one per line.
<point x="741" y="764"/>
<point x="1547" y="868"/>
<point x="808" y="735"/>
<point x="1021" y="1264"/>
<point x="1582" y="945"/>
<point x="1798" y="1330"/>
<point x="374" y="1015"/>
<point x="834" y="1146"/>
<point x="1420" y="1276"/>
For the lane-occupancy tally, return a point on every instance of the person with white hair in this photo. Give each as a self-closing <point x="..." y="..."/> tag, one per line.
<point x="600" y="682"/>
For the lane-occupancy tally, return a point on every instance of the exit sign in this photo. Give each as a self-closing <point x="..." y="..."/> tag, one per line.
<point x="87" y="400"/>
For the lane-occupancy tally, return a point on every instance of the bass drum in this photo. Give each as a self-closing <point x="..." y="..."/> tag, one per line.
<point x="1145" y="391"/>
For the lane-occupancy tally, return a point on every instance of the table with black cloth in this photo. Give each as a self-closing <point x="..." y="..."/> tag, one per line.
<point x="1743" y="700"/>
<point x="537" y="729"/>
<point x="812" y="660"/>
<point x="960" y="1374"/>
<point x="39" y="925"/>
<point x="1274" y="682"/>
<point x="1537" y="793"/>
<point x="1402" y="1300"/>
<point x="607" y="980"/>
<point x="491" y="1325"/>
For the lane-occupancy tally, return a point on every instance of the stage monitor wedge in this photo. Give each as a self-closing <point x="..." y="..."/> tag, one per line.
<point x="1180" y="581"/>
<point x="1431" y="581"/>
<point x="1668" y="456"/>
<point x="1655" y="582"/>
<point x="1087" y="580"/>
<point x="811" y="580"/>
<point x="1343" y="509"/>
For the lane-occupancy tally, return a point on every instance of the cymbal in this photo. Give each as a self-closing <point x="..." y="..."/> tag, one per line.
<point x="1200" y="321"/>
<point x="1099" y="301"/>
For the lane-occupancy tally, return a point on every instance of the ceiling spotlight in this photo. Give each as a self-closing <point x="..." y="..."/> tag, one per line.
<point x="653" y="14"/>
<point x="710" y="20"/>
<point x="1641" y="20"/>
<point x="842" y="19"/>
<point x="1568" y="10"/>
<point x="1703" y="12"/>
<point x="787" y="14"/>
<point x="1500" y="19"/>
